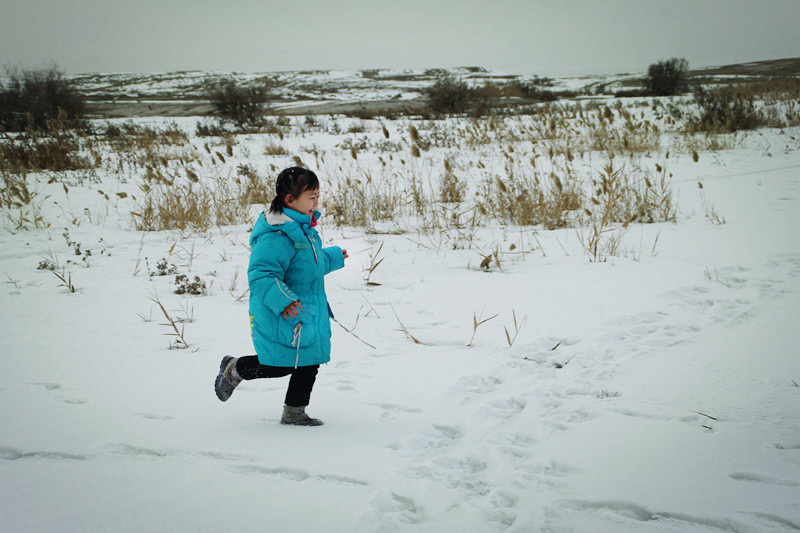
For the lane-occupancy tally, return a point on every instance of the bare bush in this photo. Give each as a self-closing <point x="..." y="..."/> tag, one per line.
<point x="54" y="148"/>
<point x="725" y="110"/>
<point x="449" y="94"/>
<point x="243" y="105"/>
<point x="666" y="78"/>
<point x="33" y="97"/>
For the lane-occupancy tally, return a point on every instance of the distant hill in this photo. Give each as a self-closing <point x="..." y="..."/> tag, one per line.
<point x="329" y="91"/>
<point x="775" y="68"/>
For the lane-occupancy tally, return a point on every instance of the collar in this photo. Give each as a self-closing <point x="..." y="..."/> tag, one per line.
<point x="290" y="215"/>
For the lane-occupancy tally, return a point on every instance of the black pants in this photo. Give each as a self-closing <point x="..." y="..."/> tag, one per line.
<point x="300" y="384"/>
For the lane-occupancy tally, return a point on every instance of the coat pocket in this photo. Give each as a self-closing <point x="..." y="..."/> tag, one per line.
<point x="299" y="331"/>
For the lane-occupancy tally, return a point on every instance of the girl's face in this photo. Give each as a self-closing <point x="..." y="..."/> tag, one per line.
<point x="306" y="203"/>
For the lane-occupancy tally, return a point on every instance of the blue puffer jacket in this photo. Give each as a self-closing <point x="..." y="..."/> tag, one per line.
<point x="287" y="264"/>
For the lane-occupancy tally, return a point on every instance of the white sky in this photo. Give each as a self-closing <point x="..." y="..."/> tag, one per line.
<point x="547" y="37"/>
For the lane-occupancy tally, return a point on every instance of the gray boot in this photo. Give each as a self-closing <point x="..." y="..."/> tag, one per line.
<point x="227" y="379"/>
<point x="296" y="416"/>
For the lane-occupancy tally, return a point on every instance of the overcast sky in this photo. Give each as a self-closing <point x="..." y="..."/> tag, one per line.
<point x="546" y="37"/>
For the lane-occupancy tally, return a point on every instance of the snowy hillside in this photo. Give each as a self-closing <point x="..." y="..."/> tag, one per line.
<point x="377" y="84"/>
<point x="383" y="84"/>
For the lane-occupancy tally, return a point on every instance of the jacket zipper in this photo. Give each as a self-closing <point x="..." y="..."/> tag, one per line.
<point x="299" y="328"/>
<point x="313" y="248"/>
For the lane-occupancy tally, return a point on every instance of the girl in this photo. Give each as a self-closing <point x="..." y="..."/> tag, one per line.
<point x="289" y="312"/>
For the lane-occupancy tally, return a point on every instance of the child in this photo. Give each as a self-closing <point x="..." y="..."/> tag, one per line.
<point x="289" y="312"/>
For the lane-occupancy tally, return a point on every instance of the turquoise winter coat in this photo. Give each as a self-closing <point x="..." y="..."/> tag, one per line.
<point x="288" y="264"/>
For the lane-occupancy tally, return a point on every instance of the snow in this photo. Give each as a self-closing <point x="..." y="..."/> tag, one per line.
<point x="654" y="392"/>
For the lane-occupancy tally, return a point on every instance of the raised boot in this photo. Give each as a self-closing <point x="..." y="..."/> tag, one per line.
<point x="296" y="416"/>
<point x="227" y="379"/>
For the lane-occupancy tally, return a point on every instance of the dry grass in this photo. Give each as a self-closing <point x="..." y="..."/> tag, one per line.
<point x="173" y="331"/>
<point x="444" y="178"/>
<point x="273" y="148"/>
<point x="200" y="204"/>
<point x="21" y="205"/>
<point x="54" y="147"/>
<point x="478" y="321"/>
<point x="523" y="171"/>
<point x="772" y="104"/>
<point x="364" y="201"/>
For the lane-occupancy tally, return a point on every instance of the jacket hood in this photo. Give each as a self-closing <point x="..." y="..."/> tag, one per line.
<point x="289" y="222"/>
<point x="277" y="219"/>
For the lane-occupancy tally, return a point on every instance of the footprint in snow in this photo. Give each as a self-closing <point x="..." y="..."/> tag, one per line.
<point x="13" y="454"/>
<point x="477" y="384"/>
<point x="787" y="446"/>
<point x="505" y="408"/>
<point x="431" y="438"/>
<point x="296" y="474"/>
<point x="128" y="449"/>
<point x="48" y="386"/>
<point x="75" y="401"/>
<point x="517" y="439"/>
<point x="152" y="416"/>
<point x="391" y="411"/>
<point x="391" y="512"/>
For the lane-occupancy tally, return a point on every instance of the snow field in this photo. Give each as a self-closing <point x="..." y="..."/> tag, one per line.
<point x="654" y="392"/>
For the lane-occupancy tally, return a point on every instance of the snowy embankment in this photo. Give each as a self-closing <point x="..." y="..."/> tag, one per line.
<point x="655" y="392"/>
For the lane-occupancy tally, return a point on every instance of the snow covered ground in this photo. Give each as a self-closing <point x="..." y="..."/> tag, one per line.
<point x="654" y="392"/>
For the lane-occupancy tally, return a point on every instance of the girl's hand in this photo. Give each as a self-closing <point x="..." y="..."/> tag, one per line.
<point x="344" y="253"/>
<point x="292" y="310"/>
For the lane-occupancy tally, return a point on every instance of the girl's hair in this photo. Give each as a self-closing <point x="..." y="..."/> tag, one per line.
<point x="294" y="181"/>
